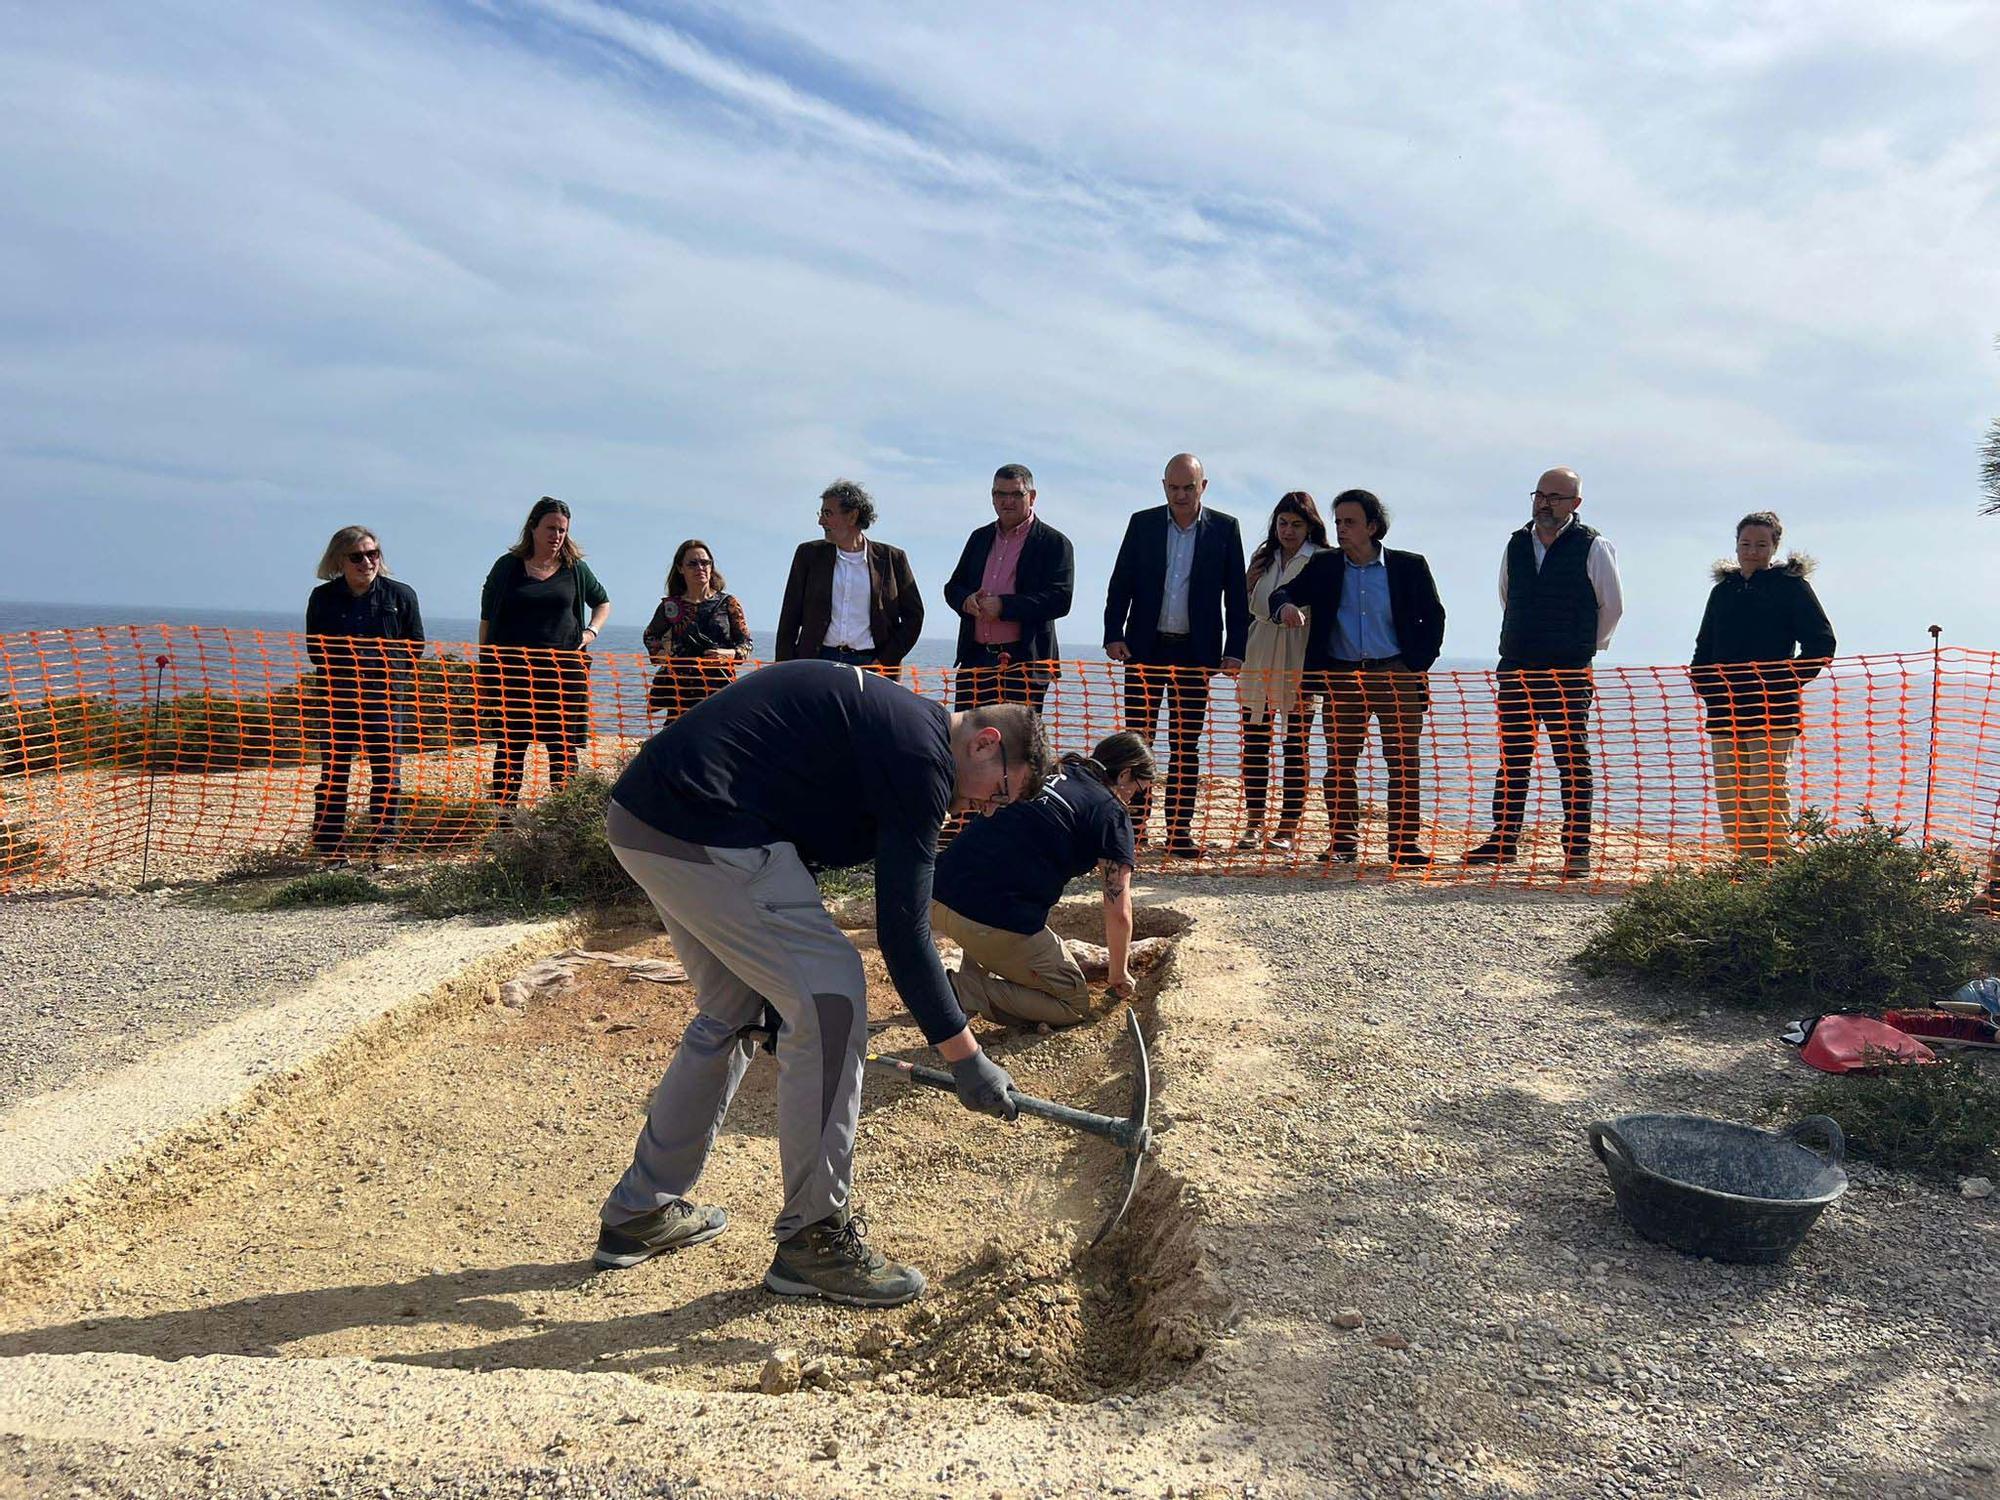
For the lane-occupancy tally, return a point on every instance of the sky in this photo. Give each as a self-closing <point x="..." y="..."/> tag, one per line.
<point x="266" y="270"/>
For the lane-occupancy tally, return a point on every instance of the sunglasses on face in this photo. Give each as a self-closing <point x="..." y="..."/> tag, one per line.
<point x="372" y="555"/>
<point x="698" y="562"/>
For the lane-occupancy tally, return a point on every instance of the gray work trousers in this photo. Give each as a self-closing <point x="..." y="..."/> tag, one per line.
<point x="748" y="926"/>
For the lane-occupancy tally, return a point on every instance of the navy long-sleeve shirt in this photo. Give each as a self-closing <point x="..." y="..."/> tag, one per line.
<point x="844" y="765"/>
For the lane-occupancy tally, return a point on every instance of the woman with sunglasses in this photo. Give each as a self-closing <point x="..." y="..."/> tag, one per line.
<point x="363" y="634"/>
<point x="697" y="636"/>
<point x="1002" y="874"/>
<point x="541" y="594"/>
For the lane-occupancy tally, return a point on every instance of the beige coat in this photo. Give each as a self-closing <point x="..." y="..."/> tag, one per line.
<point x="1275" y="660"/>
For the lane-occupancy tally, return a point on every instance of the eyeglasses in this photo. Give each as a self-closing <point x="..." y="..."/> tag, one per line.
<point x="1010" y="494"/>
<point x="373" y="554"/>
<point x="1551" y="495"/>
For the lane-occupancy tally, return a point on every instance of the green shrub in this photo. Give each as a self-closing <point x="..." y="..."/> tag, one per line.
<point x="325" y="888"/>
<point x="1941" y="1117"/>
<point x="20" y="851"/>
<point x="213" y="732"/>
<point x="80" y="730"/>
<point x="1854" y="919"/>
<point x="550" y="856"/>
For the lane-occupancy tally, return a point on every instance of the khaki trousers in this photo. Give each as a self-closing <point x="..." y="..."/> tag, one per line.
<point x="1011" y="977"/>
<point x="1751" y="788"/>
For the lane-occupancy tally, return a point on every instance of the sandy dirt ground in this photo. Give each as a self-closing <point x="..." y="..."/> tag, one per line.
<point x="1373" y="1257"/>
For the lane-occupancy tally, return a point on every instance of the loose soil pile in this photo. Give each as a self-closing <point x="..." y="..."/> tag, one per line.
<point x="439" y="1210"/>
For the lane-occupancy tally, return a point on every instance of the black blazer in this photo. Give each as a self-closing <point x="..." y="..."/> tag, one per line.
<point x="1044" y="582"/>
<point x="1413" y="605"/>
<point x="1218" y="602"/>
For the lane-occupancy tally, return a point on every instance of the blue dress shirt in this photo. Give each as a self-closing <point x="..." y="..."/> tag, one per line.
<point x="1364" y="629"/>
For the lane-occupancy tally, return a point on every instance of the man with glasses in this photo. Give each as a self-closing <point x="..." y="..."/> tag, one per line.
<point x="721" y="818"/>
<point x="1012" y="583"/>
<point x="1560" y="601"/>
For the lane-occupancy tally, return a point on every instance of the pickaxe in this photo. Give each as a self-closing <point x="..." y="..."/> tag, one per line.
<point x="1132" y="1134"/>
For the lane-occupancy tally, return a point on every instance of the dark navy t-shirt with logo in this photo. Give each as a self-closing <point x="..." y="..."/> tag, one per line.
<point x="1007" y="870"/>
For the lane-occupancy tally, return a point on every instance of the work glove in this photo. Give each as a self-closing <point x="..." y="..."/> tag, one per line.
<point x="983" y="1085"/>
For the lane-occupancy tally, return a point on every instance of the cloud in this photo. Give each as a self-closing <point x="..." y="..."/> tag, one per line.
<point x="683" y="264"/>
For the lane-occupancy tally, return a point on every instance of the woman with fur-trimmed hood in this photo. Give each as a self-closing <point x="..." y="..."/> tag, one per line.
<point x="1763" y="636"/>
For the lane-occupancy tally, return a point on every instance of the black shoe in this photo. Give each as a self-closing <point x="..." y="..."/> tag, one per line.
<point x="1184" y="847"/>
<point x="674" y="1227"/>
<point x="1576" y="867"/>
<point x="1409" y="859"/>
<point x="1492" y="852"/>
<point x="832" y="1260"/>
<point x="1339" y="854"/>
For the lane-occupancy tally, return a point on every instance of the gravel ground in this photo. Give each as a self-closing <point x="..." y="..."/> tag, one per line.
<point x="95" y="982"/>
<point x="1373" y="1099"/>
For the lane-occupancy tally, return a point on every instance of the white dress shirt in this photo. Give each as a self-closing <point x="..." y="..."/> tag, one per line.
<point x="849" y="626"/>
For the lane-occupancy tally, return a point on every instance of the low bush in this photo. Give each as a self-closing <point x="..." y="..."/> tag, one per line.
<point x="1941" y="1117"/>
<point x="325" y="888"/>
<point x="550" y="856"/>
<point x="214" y="732"/>
<point x="1855" y="919"/>
<point x="20" y="851"/>
<point x="79" y="730"/>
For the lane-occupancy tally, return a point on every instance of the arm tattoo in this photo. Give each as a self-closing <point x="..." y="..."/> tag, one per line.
<point x="1116" y="878"/>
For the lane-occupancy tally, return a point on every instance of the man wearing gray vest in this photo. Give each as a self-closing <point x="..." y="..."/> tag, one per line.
<point x="1560" y="601"/>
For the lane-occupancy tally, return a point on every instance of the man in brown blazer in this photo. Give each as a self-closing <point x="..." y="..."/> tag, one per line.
<point x="849" y="599"/>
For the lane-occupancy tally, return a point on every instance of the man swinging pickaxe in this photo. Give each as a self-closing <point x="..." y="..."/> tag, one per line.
<point x="1131" y="1134"/>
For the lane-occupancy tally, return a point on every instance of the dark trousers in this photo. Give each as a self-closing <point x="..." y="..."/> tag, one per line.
<point x="982" y="680"/>
<point x="1556" y="699"/>
<point x="1173" y="676"/>
<point x="1295" y="737"/>
<point x="542" y="695"/>
<point x="1395" y="697"/>
<point x="848" y="656"/>
<point x="357" y="725"/>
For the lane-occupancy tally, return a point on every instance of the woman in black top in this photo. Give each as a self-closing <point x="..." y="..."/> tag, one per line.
<point x="541" y="594"/>
<point x="1001" y="875"/>
<point x="1763" y="636"/>
<point x="698" y="635"/>
<point x="363" y="633"/>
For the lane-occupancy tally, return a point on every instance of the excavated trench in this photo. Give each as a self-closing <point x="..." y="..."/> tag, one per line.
<point x="437" y="1207"/>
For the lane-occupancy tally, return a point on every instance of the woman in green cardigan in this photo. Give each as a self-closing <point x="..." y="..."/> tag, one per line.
<point x="543" y="607"/>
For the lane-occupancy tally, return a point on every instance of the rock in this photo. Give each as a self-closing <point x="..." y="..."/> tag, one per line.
<point x="830" y="1449"/>
<point x="1976" y="1187"/>
<point x="1391" y="1341"/>
<point x="814" y="1371"/>
<point x="874" y="1342"/>
<point x="1348" y="1317"/>
<point x="781" y="1373"/>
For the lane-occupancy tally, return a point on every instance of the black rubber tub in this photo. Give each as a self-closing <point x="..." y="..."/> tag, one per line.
<point x="1729" y="1192"/>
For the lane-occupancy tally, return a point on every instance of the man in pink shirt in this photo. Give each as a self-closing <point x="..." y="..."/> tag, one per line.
<point x="1012" y="583"/>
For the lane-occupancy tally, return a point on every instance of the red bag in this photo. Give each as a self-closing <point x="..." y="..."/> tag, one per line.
<point x="1853" y="1044"/>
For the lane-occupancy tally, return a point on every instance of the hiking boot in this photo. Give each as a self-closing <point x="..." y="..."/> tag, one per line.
<point x="831" y="1259"/>
<point x="675" y="1227"/>
<point x="1411" y="858"/>
<point x="1492" y="852"/>
<point x="1576" y="867"/>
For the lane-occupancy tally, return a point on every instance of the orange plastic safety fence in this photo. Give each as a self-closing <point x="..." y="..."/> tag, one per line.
<point x="183" y="749"/>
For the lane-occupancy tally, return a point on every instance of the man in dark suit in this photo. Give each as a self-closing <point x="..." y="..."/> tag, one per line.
<point x="1177" y="612"/>
<point x="1376" y="626"/>
<point x="849" y="599"/>
<point x="1012" y="583"/>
